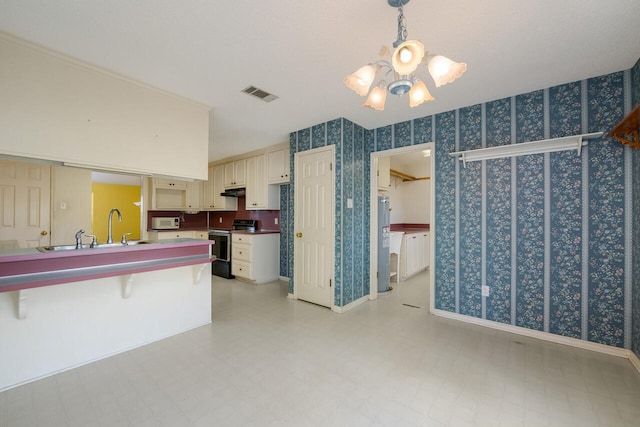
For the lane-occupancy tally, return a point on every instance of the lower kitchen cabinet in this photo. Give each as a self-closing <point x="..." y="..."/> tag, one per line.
<point x="414" y="255"/>
<point x="179" y="234"/>
<point x="165" y="235"/>
<point x="255" y="257"/>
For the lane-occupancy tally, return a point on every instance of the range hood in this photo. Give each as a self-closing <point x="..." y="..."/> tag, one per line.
<point x="233" y="192"/>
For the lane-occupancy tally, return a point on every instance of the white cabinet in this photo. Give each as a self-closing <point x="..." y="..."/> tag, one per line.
<point x="278" y="166"/>
<point x="235" y="174"/>
<point x="168" y="194"/>
<point x="384" y="173"/>
<point x="170" y="184"/>
<point x="260" y="194"/>
<point x="174" y="234"/>
<point x="255" y="257"/>
<point x="423" y="251"/>
<point x="179" y="234"/>
<point x="201" y="234"/>
<point x="194" y="196"/>
<point x="212" y="200"/>
<point x="414" y="255"/>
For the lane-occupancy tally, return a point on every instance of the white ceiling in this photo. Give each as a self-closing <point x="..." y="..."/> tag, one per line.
<point x="209" y="50"/>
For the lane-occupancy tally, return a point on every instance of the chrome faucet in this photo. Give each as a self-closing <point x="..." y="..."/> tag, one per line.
<point x="109" y="232"/>
<point x="124" y="238"/>
<point x="79" y="239"/>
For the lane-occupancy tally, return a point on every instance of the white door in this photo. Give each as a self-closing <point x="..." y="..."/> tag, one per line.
<point x="24" y="203"/>
<point x="314" y="226"/>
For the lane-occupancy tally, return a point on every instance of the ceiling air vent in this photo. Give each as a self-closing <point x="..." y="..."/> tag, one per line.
<point x="259" y="93"/>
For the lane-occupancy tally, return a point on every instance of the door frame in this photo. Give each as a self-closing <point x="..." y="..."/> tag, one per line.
<point x="332" y="216"/>
<point x="373" y="217"/>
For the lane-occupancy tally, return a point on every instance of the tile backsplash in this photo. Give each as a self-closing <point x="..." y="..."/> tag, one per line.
<point x="223" y="219"/>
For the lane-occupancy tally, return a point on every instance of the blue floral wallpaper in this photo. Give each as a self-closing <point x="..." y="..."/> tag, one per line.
<point x="446" y="295"/>
<point x="545" y="232"/>
<point x="470" y="214"/>
<point x="566" y="229"/>
<point x="635" y="300"/>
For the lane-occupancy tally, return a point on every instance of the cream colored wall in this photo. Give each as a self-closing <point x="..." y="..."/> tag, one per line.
<point x="415" y="202"/>
<point x="56" y="108"/>
<point x="70" y="203"/>
<point x="411" y="201"/>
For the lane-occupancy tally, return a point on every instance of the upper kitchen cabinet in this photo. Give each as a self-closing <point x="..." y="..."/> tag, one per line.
<point x="60" y="109"/>
<point x="175" y="194"/>
<point x="169" y="184"/>
<point x="278" y="166"/>
<point x="212" y="200"/>
<point x="384" y="173"/>
<point x="235" y="174"/>
<point x="260" y="194"/>
<point x="194" y="196"/>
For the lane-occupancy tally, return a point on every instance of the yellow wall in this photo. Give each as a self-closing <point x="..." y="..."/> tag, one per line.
<point x="105" y="197"/>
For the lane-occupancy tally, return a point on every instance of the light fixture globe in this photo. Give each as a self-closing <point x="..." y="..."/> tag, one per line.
<point x="443" y="70"/>
<point x="419" y="94"/>
<point x="407" y="56"/>
<point x="361" y="80"/>
<point x="376" y="99"/>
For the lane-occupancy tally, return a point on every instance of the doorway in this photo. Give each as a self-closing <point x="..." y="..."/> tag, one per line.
<point x="425" y="155"/>
<point x="121" y="191"/>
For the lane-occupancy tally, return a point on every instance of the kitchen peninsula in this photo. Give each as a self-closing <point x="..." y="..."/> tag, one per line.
<point x="78" y="306"/>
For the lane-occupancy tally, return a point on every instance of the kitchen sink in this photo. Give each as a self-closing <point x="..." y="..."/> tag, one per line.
<point x="60" y="248"/>
<point x="100" y="246"/>
<point x="137" y="242"/>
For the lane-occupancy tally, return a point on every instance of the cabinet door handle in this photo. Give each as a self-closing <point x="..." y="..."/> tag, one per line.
<point x="298" y="234"/>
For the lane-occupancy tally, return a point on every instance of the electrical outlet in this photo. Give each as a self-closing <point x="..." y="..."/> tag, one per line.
<point x="349" y="203"/>
<point x="275" y="221"/>
<point x="485" y="291"/>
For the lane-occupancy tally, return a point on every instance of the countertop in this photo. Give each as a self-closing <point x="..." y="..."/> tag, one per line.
<point x="29" y="268"/>
<point x="409" y="229"/>
<point x="264" y="231"/>
<point x="255" y="232"/>
<point x="22" y="254"/>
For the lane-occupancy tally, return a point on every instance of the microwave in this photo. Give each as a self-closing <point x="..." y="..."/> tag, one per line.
<point x="165" y="223"/>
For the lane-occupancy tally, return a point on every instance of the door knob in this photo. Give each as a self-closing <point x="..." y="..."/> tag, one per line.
<point x="298" y="234"/>
<point x="43" y="233"/>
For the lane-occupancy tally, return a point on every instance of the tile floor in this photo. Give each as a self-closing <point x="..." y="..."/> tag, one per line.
<point x="271" y="361"/>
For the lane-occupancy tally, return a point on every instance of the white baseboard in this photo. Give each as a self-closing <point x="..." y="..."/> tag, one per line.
<point x="351" y="305"/>
<point x="545" y="336"/>
<point x="283" y="278"/>
<point x="290" y="296"/>
<point x="635" y="361"/>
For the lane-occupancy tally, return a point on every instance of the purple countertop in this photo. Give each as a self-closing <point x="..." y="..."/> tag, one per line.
<point x="30" y="268"/>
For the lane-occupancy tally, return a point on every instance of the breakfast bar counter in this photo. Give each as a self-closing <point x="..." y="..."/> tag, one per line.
<point x="105" y="300"/>
<point x="30" y="268"/>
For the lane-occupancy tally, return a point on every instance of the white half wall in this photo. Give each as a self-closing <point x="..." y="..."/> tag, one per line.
<point x="76" y="323"/>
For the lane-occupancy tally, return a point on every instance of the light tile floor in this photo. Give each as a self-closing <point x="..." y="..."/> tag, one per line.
<point x="271" y="361"/>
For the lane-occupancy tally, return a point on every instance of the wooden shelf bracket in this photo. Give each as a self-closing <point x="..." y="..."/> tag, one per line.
<point x="627" y="130"/>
